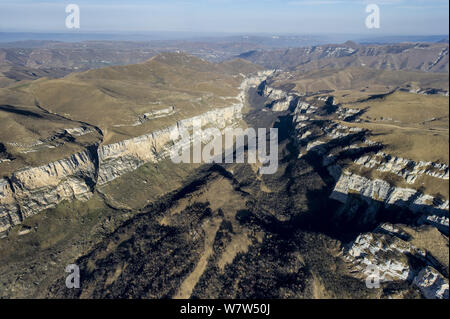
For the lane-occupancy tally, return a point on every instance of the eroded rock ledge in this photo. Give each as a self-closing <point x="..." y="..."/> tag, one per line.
<point x="331" y="141"/>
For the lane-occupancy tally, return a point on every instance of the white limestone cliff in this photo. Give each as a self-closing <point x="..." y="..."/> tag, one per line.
<point x="380" y="255"/>
<point x="408" y="169"/>
<point x="126" y="156"/>
<point x="322" y="141"/>
<point x="33" y="189"/>
<point x="9" y="212"/>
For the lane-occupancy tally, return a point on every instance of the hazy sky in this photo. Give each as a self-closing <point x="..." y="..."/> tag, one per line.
<point x="400" y="17"/>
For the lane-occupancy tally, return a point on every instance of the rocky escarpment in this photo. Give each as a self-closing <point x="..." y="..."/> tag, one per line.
<point x="382" y="254"/>
<point x="334" y="147"/>
<point x="388" y="255"/>
<point x="9" y="210"/>
<point x="281" y="207"/>
<point x="278" y="100"/>
<point x="126" y="156"/>
<point x="332" y="142"/>
<point x="432" y="284"/>
<point x="31" y="190"/>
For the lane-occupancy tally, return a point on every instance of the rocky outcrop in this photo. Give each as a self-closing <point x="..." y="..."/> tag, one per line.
<point x="432" y="284"/>
<point x="283" y="104"/>
<point x="434" y="211"/>
<point x="125" y="156"/>
<point x="31" y="190"/>
<point x="9" y="211"/>
<point x="387" y="255"/>
<point x="158" y="113"/>
<point x="34" y="189"/>
<point x="43" y="187"/>
<point x="382" y="256"/>
<point x="274" y="94"/>
<point x="330" y="140"/>
<point x="382" y="191"/>
<point x="278" y="100"/>
<point x="142" y="118"/>
<point x="405" y="168"/>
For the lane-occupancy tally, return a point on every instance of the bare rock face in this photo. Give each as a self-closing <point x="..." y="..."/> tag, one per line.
<point x="388" y="195"/>
<point x="283" y="104"/>
<point x="432" y="284"/>
<point x="383" y="255"/>
<point x="382" y="191"/>
<point x="274" y="94"/>
<point x="9" y="212"/>
<point x="405" y="168"/>
<point x="278" y="100"/>
<point x="125" y="156"/>
<point x="31" y="190"/>
<point x="389" y="255"/>
<point x="332" y="139"/>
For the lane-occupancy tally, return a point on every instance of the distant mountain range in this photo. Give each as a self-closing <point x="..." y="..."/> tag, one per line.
<point x="39" y="58"/>
<point x="428" y="57"/>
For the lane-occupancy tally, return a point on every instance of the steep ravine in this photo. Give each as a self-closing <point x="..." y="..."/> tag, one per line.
<point x="332" y="145"/>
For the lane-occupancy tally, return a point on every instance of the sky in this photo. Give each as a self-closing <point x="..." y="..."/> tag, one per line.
<point x="397" y="17"/>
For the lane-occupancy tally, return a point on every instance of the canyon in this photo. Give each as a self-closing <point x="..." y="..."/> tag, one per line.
<point x="345" y="197"/>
